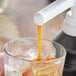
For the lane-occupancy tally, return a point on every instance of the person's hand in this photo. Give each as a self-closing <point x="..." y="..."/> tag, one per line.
<point x="1" y="64"/>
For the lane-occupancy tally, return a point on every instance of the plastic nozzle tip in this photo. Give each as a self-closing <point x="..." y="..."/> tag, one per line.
<point x="38" y="19"/>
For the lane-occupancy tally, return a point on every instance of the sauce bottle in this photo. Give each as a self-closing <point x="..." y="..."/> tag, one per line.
<point x="67" y="37"/>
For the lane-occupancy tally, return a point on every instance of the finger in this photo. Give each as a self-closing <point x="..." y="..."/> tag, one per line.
<point x="1" y="64"/>
<point x="1" y="59"/>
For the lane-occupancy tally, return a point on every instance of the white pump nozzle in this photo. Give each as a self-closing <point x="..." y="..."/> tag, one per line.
<point x="53" y="10"/>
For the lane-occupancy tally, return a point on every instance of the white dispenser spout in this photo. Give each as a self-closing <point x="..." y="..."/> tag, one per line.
<point x="53" y="10"/>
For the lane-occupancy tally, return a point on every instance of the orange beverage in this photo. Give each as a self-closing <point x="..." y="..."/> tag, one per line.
<point x="41" y="68"/>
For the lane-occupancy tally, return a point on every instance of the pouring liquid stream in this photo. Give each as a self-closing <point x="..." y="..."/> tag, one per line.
<point x="39" y="42"/>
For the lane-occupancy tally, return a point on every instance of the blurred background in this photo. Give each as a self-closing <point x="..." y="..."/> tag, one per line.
<point x="16" y="21"/>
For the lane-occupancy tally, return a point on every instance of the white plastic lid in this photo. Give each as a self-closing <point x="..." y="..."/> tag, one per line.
<point x="70" y="24"/>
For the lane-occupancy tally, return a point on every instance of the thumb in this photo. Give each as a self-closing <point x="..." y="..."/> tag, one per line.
<point x="1" y="64"/>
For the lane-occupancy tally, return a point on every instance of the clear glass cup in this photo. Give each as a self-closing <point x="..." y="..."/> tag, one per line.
<point x="20" y="58"/>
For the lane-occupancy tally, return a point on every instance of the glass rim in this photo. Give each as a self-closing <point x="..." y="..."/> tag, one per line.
<point x="33" y="38"/>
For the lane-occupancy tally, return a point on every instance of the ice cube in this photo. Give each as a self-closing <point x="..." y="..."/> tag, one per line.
<point x="49" y="70"/>
<point x="33" y="52"/>
<point x="53" y="54"/>
<point x="18" y="65"/>
<point x="11" y="71"/>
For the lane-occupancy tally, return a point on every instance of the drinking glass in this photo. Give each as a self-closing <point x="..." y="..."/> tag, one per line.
<point x="21" y="54"/>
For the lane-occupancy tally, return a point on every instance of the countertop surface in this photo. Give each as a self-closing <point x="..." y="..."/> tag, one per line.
<point x="17" y="21"/>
